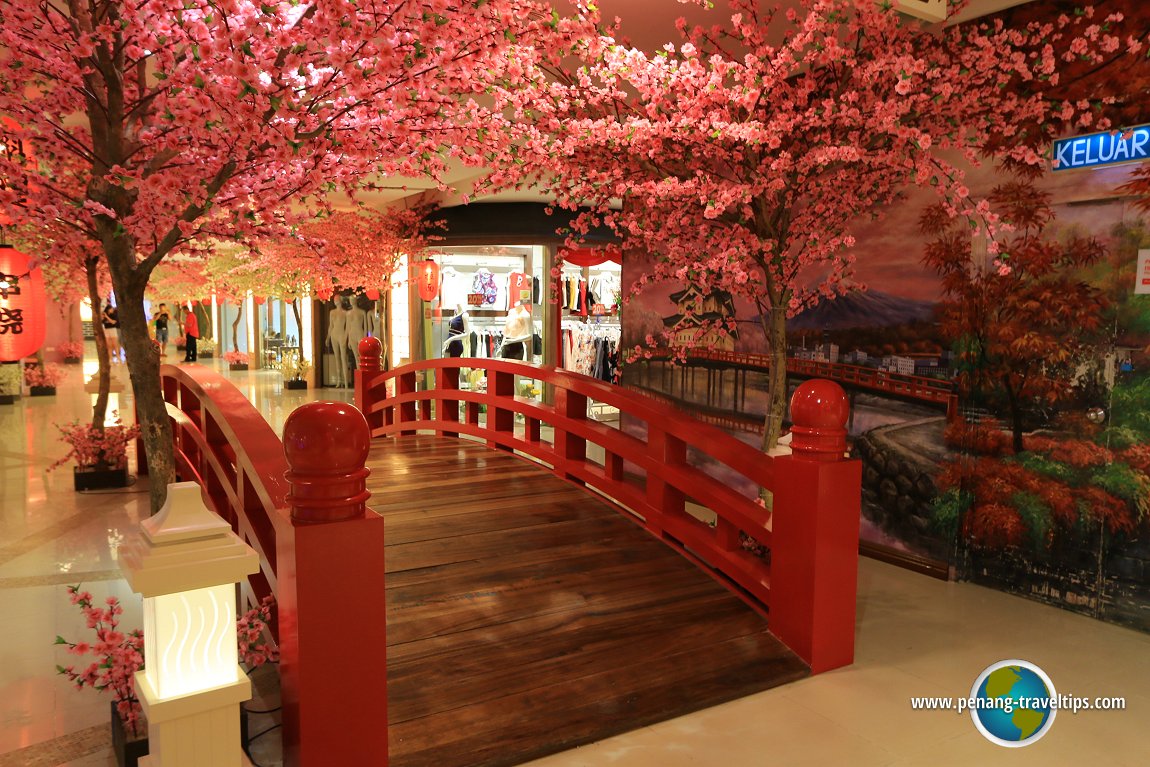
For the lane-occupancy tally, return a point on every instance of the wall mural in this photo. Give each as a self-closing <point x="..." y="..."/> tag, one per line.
<point x="1008" y="445"/>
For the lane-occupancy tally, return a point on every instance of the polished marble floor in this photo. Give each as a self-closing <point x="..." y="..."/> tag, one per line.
<point x="916" y="637"/>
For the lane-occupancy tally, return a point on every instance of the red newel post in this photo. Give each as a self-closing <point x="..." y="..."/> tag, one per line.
<point x="370" y="365"/>
<point x="814" y="549"/>
<point x="330" y="555"/>
<point x="326" y="445"/>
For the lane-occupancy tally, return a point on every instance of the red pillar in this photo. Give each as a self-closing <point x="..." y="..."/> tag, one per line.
<point x="330" y="567"/>
<point x="814" y="540"/>
<point x="370" y="365"/>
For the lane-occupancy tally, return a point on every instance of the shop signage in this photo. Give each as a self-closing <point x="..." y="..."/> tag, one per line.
<point x="1142" y="279"/>
<point x="599" y="310"/>
<point x="1097" y="149"/>
<point x="476" y="299"/>
<point x="22" y="305"/>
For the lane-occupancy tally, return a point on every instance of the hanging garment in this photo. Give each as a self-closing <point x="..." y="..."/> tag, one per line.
<point x="484" y="284"/>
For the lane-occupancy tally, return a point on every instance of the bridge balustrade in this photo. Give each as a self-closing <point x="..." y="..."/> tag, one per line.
<point x="321" y="549"/>
<point x="645" y="469"/>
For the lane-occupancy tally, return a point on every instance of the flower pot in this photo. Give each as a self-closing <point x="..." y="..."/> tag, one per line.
<point x="87" y="478"/>
<point x="295" y="383"/>
<point x="42" y="391"/>
<point x="73" y="360"/>
<point x="237" y="366"/>
<point x="128" y="748"/>
<point x="203" y="355"/>
<point x="7" y="399"/>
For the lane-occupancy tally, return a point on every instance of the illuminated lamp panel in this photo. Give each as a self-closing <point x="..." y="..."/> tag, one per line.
<point x="191" y="640"/>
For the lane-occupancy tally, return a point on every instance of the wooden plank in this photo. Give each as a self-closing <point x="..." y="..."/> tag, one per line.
<point x="526" y="616"/>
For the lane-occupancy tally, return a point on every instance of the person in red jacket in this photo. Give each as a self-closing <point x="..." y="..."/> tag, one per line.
<point x="191" y="333"/>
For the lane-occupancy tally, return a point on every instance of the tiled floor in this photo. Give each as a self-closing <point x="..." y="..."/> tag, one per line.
<point x="916" y="637"/>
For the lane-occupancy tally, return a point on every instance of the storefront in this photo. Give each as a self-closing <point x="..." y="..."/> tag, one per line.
<point x="500" y="293"/>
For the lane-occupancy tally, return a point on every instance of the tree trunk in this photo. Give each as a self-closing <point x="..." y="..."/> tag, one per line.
<point x="104" y="368"/>
<point x="1015" y="419"/>
<point x="776" y="330"/>
<point x="143" y="365"/>
<point x="236" y="327"/>
<point x="298" y="326"/>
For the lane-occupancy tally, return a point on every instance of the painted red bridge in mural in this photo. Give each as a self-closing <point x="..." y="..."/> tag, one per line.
<point x="919" y="388"/>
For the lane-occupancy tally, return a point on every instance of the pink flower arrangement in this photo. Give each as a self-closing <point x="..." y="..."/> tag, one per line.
<point x="254" y="648"/>
<point x="237" y="358"/>
<point x="105" y="448"/>
<point x="118" y="656"/>
<point x="43" y="375"/>
<point x="72" y="350"/>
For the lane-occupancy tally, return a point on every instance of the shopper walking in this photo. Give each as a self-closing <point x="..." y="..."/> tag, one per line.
<point x="111" y="322"/>
<point x="191" y="333"/>
<point x="160" y="318"/>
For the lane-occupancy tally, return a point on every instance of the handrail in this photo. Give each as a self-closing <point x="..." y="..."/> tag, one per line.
<point x="225" y="444"/>
<point x="659" y="504"/>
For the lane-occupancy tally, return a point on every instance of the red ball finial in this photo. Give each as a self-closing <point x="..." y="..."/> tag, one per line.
<point x="370" y="354"/>
<point x="819" y="411"/>
<point x="326" y="445"/>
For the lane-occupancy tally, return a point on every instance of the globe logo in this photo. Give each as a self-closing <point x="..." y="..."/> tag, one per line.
<point x="1013" y="703"/>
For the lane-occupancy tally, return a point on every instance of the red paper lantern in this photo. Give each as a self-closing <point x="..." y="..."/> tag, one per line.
<point x="372" y="294"/>
<point x="261" y="300"/>
<point x="427" y="279"/>
<point x="206" y="301"/>
<point x="23" y="307"/>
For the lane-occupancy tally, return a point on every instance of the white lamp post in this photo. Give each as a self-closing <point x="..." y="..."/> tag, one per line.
<point x="186" y="563"/>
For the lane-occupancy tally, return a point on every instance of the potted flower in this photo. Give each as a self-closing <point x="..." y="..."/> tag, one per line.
<point x="43" y="379"/>
<point x="117" y="656"/>
<point x="205" y="348"/>
<point x="72" y="351"/>
<point x="101" y="453"/>
<point x="294" y="368"/>
<point x="237" y="360"/>
<point x="10" y="382"/>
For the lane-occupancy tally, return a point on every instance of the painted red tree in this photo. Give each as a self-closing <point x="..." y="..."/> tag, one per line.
<point x="208" y="118"/>
<point x="743" y="156"/>
<point x="1024" y="321"/>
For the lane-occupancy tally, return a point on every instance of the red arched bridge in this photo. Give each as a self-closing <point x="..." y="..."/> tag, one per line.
<point x="550" y="580"/>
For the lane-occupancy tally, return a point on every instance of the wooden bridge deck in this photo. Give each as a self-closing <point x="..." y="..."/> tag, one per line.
<point x="526" y="617"/>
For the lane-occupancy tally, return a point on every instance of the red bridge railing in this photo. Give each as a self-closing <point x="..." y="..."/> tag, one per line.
<point x="226" y="445"/>
<point x="809" y="583"/>
<point x="300" y="504"/>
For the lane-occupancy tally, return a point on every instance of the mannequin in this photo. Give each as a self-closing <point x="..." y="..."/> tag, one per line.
<point x="337" y="334"/>
<point x="516" y="333"/>
<point x="458" y="335"/>
<point x="368" y="306"/>
<point x="357" y="324"/>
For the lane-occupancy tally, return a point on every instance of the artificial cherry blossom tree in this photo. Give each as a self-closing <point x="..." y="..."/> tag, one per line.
<point x="743" y="156"/>
<point x="215" y="118"/>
